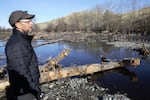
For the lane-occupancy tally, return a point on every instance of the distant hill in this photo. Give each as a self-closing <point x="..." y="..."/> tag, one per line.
<point x="43" y="25"/>
<point x="136" y="20"/>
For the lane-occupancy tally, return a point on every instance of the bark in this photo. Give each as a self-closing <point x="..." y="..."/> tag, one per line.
<point x="86" y="69"/>
<point x="53" y="63"/>
<point x="145" y="50"/>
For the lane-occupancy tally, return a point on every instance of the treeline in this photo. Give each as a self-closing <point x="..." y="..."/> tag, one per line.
<point x="4" y="32"/>
<point x="98" y="20"/>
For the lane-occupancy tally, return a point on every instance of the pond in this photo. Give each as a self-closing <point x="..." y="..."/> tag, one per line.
<point x="134" y="82"/>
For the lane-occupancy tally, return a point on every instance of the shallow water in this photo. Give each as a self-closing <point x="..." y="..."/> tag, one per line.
<point x="132" y="81"/>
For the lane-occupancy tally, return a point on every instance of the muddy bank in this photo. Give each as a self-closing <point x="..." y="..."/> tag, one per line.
<point x="75" y="89"/>
<point x="128" y="44"/>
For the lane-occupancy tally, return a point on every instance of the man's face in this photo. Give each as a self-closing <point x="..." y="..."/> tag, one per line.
<point x="25" y="25"/>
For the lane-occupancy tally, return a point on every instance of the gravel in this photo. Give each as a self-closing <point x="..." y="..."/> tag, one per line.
<point x="72" y="89"/>
<point x="75" y="89"/>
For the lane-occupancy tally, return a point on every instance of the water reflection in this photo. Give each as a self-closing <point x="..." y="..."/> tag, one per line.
<point x="96" y="49"/>
<point x="2" y="53"/>
<point x="124" y="71"/>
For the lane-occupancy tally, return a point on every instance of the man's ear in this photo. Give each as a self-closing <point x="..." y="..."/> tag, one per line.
<point x="17" y="25"/>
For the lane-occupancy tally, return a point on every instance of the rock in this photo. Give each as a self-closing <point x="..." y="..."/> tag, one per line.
<point x="73" y="89"/>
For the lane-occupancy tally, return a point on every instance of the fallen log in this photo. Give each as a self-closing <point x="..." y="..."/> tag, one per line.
<point x="53" y="63"/>
<point x="80" y="70"/>
<point x="3" y="84"/>
<point x="144" y="51"/>
<point x="48" y="42"/>
<point x="86" y="69"/>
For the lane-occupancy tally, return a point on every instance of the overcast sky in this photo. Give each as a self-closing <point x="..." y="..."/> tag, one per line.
<point x="46" y="10"/>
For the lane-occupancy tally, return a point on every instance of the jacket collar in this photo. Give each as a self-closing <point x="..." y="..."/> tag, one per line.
<point x="25" y="35"/>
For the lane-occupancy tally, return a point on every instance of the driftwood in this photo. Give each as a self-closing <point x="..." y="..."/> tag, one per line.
<point x="144" y="51"/>
<point x="48" y="75"/>
<point x="53" y="63"/>
<point x="86" y="69"/>
<point x="48" y="42"/>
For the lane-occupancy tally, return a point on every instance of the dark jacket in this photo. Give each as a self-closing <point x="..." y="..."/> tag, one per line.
<point x="22" y="64"/>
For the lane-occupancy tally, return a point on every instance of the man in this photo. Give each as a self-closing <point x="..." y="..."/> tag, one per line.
<point x="22" y="64"/>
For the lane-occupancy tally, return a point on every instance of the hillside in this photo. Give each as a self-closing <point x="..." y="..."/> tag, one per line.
<point x="92" y="20"/>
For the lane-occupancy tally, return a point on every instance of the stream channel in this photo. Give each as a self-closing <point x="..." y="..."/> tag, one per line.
<point x="134" y="82"/>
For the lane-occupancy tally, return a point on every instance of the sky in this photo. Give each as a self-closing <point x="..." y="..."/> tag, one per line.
<point x="47" y="10"/>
